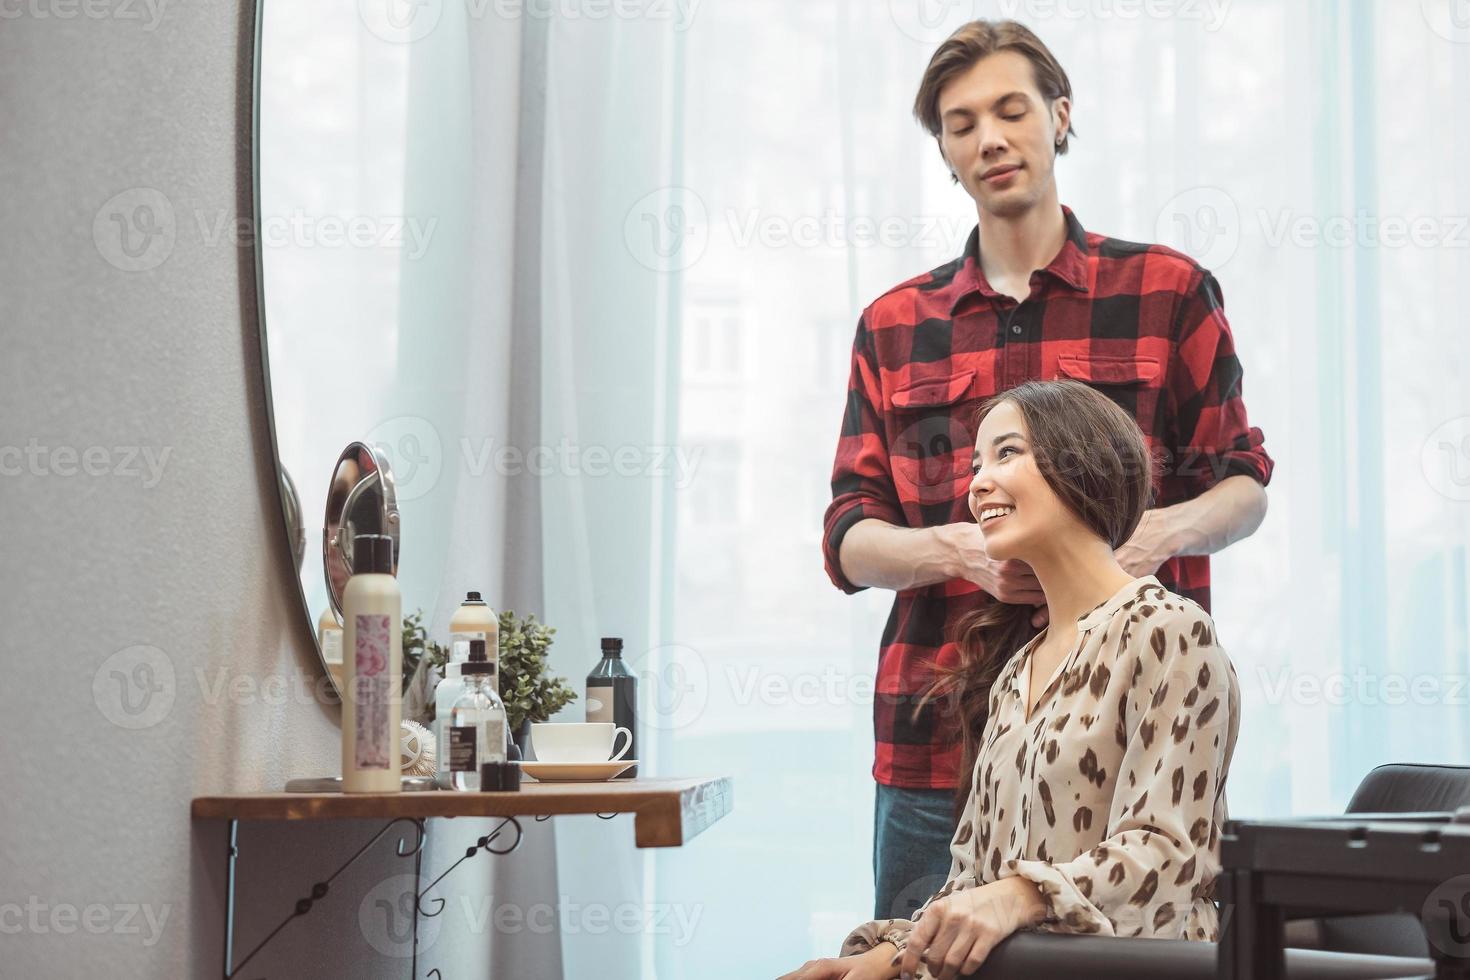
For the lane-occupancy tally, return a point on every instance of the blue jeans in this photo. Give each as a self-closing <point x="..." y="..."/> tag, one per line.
<point x="912" y="829"/>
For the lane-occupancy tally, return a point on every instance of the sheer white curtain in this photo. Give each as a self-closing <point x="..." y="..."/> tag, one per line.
<point x="726" y="191"/>
<point x="605" y="416"/>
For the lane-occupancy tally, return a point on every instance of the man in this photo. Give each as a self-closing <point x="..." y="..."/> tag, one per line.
<point x="1034" y="296"/>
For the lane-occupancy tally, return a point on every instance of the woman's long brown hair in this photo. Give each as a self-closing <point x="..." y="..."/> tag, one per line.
<point x="1093" y="456"/>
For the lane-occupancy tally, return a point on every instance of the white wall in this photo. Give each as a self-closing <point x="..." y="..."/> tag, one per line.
<point x="186" y="562"/>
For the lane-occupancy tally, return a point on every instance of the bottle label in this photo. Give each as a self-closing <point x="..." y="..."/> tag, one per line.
<point x="599" y="702"/>
<point x="462" y="748"/>
<point x="332" y="646"/>
<point x="459" y="645"/>
<point x="373" y="744"/>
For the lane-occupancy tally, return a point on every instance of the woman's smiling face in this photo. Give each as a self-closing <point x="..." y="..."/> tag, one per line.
<point x="1010" y="499"/>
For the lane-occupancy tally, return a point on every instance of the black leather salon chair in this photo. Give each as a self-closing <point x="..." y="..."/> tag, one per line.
<point x="1397" y="789"/>
<point x="1038" y="956"/>
<point x="1339" y="948"/>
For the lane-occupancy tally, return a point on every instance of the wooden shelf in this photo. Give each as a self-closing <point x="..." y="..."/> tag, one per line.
<point x="667" y="812"/>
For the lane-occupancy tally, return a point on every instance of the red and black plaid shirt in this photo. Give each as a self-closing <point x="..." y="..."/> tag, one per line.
<point x="1142" y="323"/>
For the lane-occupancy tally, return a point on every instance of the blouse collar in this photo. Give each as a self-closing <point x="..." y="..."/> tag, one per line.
<point x="1103" y="612"/>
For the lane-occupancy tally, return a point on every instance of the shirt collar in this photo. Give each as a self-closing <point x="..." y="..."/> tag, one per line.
<point x="1069" y="265"/>
<point x="1103" y="612"/>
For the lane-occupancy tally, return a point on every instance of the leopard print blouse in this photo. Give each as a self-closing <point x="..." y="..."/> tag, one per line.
<point x="1111" y="796"/>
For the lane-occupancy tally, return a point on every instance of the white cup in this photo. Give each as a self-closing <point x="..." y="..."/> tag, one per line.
<point x="589" y="741"/>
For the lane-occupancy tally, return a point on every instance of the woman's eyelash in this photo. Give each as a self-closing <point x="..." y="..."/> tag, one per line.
<point x="975" y="467"/>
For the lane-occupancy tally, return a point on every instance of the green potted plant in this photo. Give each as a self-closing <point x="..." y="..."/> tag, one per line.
<point x="417" y="647"/>
<point x="530" y="695"/>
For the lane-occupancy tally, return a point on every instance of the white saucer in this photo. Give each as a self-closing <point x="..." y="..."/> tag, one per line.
<point x="569" y="772"/>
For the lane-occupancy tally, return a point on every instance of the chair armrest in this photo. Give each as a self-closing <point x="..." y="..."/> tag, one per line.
<point x="1055" y="956"/>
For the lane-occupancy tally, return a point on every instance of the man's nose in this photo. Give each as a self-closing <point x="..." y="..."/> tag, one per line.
<point x="992" y="142"/>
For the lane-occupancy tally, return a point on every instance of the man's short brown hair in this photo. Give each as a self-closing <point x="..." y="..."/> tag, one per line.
<point x="979" y="39"/>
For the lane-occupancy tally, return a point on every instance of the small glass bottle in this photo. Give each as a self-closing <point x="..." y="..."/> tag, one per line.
<point x="446" y="693"/>
<point x="477" y="728"/>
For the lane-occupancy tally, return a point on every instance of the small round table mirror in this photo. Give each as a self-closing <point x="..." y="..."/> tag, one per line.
<point x="361" y="499"/>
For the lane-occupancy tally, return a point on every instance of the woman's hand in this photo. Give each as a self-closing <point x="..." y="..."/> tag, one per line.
<point x="875" y="964"/>
<point x="955" y="934"/>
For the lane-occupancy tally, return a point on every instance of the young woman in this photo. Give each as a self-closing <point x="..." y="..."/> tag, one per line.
<point x="1095" y="757"/>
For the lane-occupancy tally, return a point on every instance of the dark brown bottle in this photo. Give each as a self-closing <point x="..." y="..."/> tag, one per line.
<point x="612" y="696"/>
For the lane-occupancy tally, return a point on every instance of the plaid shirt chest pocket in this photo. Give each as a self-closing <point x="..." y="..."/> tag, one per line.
<point x="932" y="439"/>
<point x="1134" y="383"/>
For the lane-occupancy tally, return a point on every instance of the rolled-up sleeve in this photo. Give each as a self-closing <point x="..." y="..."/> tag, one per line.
<point x="1212" y="435"/>
<point x="1158" y="855"/>
<point x="870" y="934"/>
<point x="862" y="477"/>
